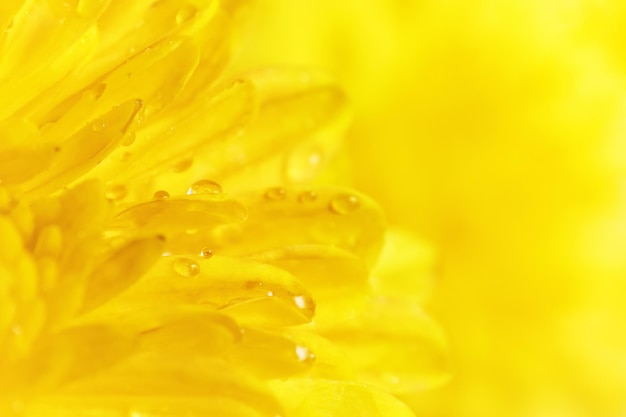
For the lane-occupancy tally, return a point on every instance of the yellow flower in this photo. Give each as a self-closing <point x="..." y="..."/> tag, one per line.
<point x="172" y="241"/>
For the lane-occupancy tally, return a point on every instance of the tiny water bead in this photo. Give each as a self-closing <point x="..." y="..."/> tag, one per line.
<point x="307" y="197"/>
<point x="344" y="204"/>
<point x="206" y="252"/>
<point x="115" y="192"/>
<point x="204" y="187"/>
<point x="97" y="125"/>
<point x="97" y="91"/>
<point x="186" y="267"/>
<point x="276" y="193"/>
<point x="128" y="139"/>
<point x="300" y="301"/>
<point x="304" y="354"/>
<point x="161" y="195"/>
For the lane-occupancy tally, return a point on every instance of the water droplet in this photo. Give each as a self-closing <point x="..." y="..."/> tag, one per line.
<point x="206" y="253"/>
<point x="307" y="196"/>
<point x="125" y="157"/>
<point x="186" y="267"/>
<point x="182" y="165"/>
<point x="204" y="187"/>
<point x="97" y="91"/>
<point x="270" y="293"/>
<point x="97" y="125"/>
<point x="300" y="301"/>
<point x="185" y="14"/>
<point x="128" y="139"/>
<point x="344" y="204"/>
<point x="304" y="354"/>
<point x="116" y="192"/>
<point x="276" y="193"/>
<point x="161" y="195"/>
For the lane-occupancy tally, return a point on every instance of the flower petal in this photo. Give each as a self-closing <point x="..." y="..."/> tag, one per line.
<point x="249" y="291"/>
<point x="167" y="387"/>
<point x="317" y="397"/>
<point x="394" y="345"/>
<point x="121" y="269"/>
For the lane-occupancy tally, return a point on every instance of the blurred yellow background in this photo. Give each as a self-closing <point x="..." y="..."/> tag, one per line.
<point x="494" y="130"/>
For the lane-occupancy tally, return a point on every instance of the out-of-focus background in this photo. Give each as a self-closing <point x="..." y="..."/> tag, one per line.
<point x="495" y="131"/>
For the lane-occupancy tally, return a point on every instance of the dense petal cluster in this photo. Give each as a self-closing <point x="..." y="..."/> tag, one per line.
<point x="172" y="241"/>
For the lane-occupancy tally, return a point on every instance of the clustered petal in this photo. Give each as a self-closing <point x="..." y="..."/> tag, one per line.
<point x="172" y="243"/>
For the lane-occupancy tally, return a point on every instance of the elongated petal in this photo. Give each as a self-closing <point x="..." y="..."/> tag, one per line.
<point x="85" y="149"/>
<point x="250" y="291"/>
<point x="168" y="387"/>
<point x="319" y="397"/>
<point x="282" y="217"/>
<point x="65" y="357"/>
<point x="121" y="269"/>
<point x="394" y="345"/>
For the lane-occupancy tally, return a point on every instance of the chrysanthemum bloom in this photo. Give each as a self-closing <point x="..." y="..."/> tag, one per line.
<point x="172" y="243"/>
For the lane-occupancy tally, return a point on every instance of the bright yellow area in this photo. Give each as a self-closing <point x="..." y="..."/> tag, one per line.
<point x="494" y="130"/>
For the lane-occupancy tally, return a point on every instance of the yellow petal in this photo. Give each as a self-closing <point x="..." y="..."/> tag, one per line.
<point x="168" y="387"/>
<point x="197" y="133"/>
<point x="394" y="345"/>
<point x="327" y="398"/>
<point x="333" y="216"/>
<point x="121" y="269"/>
<point x="407" y="267"/>
<point x="270" y="354"/>
<point x="337" y="279"/>
<point x="294" y="106"/>
<point x="236" y="287"/>
<point x="64" y="357"/>
<point x="85" y="149"/>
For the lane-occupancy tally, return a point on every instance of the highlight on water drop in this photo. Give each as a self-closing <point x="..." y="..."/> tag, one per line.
<point x="344" y="203"/>
<point x="204" y="187"/>
<point x="115" y="192"/>
<point x="307" y="196"/>
<point x="275" y="193"/>
<point x="206" y="252"/>
<point x="186" y="267"/>
<point x="304" y="354"/>
<point x="161" y="195"/>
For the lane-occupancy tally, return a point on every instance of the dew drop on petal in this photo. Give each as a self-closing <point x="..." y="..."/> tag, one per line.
<point x="344" y="204"/>
<point x="128" y="139"/>
<point x="206" y="252"/>
<point x="97" y="91"/>
<point x="161" y="195"/>
<point x="204" y="187"/>
<point x="304" y="354"/>
<point x="276" y="193"/>
<point x="97" y="125"/>
<point x="115" y="192"/>
<point x="300" y="301"/>
<point x="186" y="267"/>
<point x="307" y="197"/>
